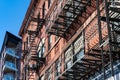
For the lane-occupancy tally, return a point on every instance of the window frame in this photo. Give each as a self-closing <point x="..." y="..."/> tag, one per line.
<point x="49" y="42"/>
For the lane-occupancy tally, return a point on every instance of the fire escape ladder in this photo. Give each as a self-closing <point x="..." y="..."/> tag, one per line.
<point x="40" y="23"/>
<point x="31" y="70"/>
<point x="106" y="55"/>
<point x="34" y="67"/>
<point x="69" y="13"/>
<point x="98" y="58"/>
<point x="25" y="50"/>
<point x="30" y="48"/>
<point x="113" y="6"/>
<point x="86" y="66"/>
<point x="111" y="19"/>
<point x="34" y="57"/>
<point x="38" y="59"/>
<point x="115" y="9"/>
<point x="96" y="55"/>
<point x="114" y="12"/>
<point x="32" y="35"/>
<point x="111" y="44"/>
<point x="83" y="68"/>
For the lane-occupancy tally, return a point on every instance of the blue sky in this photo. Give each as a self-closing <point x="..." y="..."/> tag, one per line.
<point x="12" y="13"/>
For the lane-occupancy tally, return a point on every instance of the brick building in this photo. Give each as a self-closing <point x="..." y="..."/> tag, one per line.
<point x="71" y="40"/>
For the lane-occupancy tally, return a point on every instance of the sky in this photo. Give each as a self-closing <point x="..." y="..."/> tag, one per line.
<point x="12" y="13"/>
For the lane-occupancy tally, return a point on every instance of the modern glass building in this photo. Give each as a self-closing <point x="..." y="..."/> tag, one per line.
<point x="10" y="58"/>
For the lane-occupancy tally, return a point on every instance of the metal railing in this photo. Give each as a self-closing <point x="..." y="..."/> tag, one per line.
<point x="10" y="65"/>
<point x="56" y="11"/>
<point x="11" y="52"/>
<point x="9" y="77"/>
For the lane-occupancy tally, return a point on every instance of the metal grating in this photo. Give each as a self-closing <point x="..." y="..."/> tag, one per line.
<point x="69" y="13"/>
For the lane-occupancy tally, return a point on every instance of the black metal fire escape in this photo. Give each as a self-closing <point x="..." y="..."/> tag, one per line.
<point x="84" y="68"/>
<point x="31" y="50"/>
<point x="69" y="13"/>
<point x="101" y="55"/>
<point x="112" y="20"/>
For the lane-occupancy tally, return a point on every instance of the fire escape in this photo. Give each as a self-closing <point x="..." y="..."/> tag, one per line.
<point x="109" y="45"/>
<point x="70" y="12"/>
<point x="100" y="56"/>
<point x="33" y="60"/>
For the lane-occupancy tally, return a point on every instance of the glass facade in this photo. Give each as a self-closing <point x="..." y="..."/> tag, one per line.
<point x="10" y="65"/>
<point x="9" y="77"/>
<point x="11" y="52"/>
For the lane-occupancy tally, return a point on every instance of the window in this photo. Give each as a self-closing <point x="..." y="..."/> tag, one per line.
<point x="68" y="57"/>
<point x="49" y="42"/>
<point x="42" y="77"/>
<point x="68" y="54"/>
<point x="60" y="4"/>
<point x="49" y="74"/>
<point x="25" y="46"/>
<point x="41" y="48"/>
<point x="79" y="55"/>
<point x="56" y="38"/>
<point x="28" y="41"/>
<point x="49" y="3"/>
<point x="43" y="11"/>
<point x="79" y="44"/>
<point x="60" y="0"/>
<point x="41" y="51"/>
<point x="68" y="64"/>
<point x="57" y="67"/>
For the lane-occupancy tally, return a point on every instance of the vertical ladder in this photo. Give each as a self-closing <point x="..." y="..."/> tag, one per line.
<point x="111" y="39"/>
<point x="33" y="47"/>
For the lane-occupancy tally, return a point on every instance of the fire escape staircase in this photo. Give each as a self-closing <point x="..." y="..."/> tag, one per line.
<point x="69" y="13"/>
<point x="32" y="50"/>
<point x="83" y="68"/>
<point x="40" y="23"/>
<point x="25" y="51"/>
<point x="91" y="63"/>
<point x="112" y="20"/>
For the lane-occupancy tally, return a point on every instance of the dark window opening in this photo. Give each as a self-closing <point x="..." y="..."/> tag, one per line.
<point x="57" y="68"/>
<point x="49" y="2"/>
<point x="41" y="51"/>
<point x="43" y="11"/>
<point x="49" y="42"/>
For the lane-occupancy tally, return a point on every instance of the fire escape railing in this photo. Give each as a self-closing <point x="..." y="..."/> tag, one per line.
<point x="111" y="43"/>
<point x="30" y="49"/>
<point x="82" y="66"/>
<point x="102" y="55"/>
<point x="66" y="16"/>
<point x="88" y="65"/>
